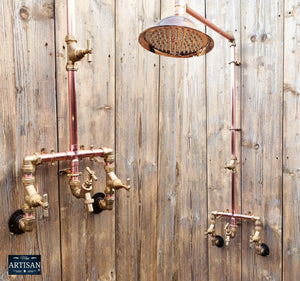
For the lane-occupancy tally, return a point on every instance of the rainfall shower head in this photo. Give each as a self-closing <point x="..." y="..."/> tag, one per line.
<point x="176" y="36"/>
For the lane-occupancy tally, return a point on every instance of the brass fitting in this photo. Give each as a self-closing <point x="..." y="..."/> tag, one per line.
<point x="32" y="198"/>
<point x="256" y="238"/>
<point x="29" y="163"/>
<point x="108" y="202"/>
<point x="231" y="165"/>
<point x="230" y="232"/>
<point x="75" y="189"/>
<point x="27" y="222"/>
<point x="180" y="7"/>
<point x="86" y="189"/>
<point x="112" y="181"/>
<point x="75" y="53"/>
<point x="212" y="228"/>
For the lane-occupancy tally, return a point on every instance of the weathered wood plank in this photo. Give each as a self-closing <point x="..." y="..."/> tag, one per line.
<point x="291" y="130"/>
<point x="262" y="76"/>
<point x="88" y="240"/>
<point x="137" y="78"/>
<point x="190" y="260"/>
<point x="224" y="263"/>
<point x="28" y="122"/>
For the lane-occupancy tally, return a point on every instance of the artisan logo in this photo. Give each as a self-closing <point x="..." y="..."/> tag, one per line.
<point x="24" y="265"/>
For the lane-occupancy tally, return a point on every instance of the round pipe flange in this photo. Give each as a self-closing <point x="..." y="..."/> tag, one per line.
<point x="97" y="198"/>
<point x="14" y="220"/>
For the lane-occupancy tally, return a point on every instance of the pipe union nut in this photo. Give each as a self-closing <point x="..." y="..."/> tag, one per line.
<point x="28" y="223"/>
<point x="28" y="169"/>
<point x="28" y="181"/>
<point x="109" y="169"/>
<point x="106" y="150"/>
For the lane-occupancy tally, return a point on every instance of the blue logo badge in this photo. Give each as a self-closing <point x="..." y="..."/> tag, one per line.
<point x="24" y="265"/>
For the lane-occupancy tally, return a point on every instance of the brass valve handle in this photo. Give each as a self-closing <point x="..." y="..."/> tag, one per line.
<point x="45" y="206"/>
<point x="92" y="175"/>
<point x="90" y="50"/>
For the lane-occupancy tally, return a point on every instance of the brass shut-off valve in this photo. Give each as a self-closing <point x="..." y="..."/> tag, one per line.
<point x="75" y="53"/>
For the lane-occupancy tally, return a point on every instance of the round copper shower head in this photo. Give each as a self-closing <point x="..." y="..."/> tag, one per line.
<point x="176" y="36"/>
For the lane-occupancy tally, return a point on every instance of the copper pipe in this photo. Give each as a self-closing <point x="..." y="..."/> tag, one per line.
<point x="70" y="155"/>
<point x="72" y="111"/>
<point x="236" y="216"/>
<point x="70" y="17"/>
<point x="233" y="135"/>
<point x="72" y="99"/>
<point x="208" y="23"/>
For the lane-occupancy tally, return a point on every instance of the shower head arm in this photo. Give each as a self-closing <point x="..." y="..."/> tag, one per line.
<point x="202" y="19"/>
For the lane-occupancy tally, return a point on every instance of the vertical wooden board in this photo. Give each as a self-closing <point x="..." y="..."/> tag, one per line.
<point x="137" y="78"/>
<point x="224" y="263"/>
<point x="190" y="260"/>
<point x="167" y="266"/>
<point x="88" y="240"/>
<point x="28" y="123"/>
<point x="262" y="78"/>
<point x="291" y="144"/>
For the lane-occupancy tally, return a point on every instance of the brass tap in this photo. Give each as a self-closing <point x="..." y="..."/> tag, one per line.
<point x="230" y="232"/>
<point x="86" y="189"/>
<point x="75" y="53"/>
<point x="113" y="183"/>
<point x="227" y="234"/>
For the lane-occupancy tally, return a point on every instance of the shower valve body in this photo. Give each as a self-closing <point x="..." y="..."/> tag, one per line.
<point x="75" y="53"/>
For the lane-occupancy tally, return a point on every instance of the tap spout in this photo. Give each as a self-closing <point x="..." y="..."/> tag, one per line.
<point x="113" y="183"/>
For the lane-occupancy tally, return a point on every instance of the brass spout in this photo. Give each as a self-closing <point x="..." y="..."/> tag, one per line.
<point x="212" y="228"/>
<point x="75" y="53"/>
<point x="256" y="238"/>
<point x="230" y="232"/>
<point x="85" y="190"/>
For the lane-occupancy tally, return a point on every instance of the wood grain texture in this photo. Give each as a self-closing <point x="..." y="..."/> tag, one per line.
<point x="28" y="122"/>
<point x="262" y="77"/>
<point x="291" y="129"/>
<point x="190" y="260"/>
<point x="88" y="240"/>
<point x="224" y="263"/>
<point x="137" y="81"/>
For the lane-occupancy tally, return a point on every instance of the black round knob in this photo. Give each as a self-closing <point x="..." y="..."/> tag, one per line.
<point x="13" y="222"/>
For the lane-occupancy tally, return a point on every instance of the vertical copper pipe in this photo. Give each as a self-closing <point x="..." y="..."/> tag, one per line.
<point x="72" y="111"/>
<point x="72" y="97"/>
<point x="233" y="128"/>
<point x="70" y="17"/>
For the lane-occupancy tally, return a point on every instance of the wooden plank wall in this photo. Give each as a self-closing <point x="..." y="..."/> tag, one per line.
<point x="167" y="120"/>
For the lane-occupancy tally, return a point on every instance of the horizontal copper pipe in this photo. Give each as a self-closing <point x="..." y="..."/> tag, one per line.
<point x="236" y="216"/>
<point x="208" y="23"/>
<point x="70" y="155"/>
